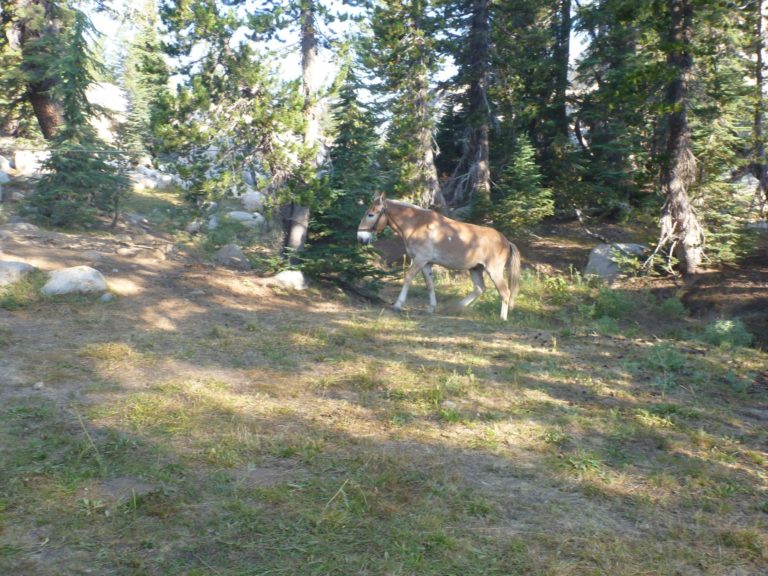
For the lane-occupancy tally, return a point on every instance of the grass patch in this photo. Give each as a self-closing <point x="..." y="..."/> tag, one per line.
<point x="334" y="439"/>
<point x="24" y="293"/>
<point x="728" y="333"/>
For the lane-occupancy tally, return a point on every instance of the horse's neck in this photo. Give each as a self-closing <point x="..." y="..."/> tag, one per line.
<point x="404" y="217"/>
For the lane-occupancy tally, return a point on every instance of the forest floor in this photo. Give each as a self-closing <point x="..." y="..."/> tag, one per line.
<point x="206" y="422"/>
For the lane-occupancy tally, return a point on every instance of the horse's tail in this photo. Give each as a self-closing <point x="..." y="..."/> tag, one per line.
<point x="513" y="269"/>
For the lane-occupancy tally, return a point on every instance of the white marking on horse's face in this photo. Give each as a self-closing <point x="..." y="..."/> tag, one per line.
<point x="364" y="237"/>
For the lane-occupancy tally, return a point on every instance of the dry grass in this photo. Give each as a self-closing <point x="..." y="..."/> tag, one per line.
<point x="245" y="431"/>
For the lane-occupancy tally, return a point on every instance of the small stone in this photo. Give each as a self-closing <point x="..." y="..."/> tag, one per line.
<point x="293" y="279"/>
<point x="107" y="297"/>
<point x="38" y="386"/>
<point x="232" y="256"/>
<point x="127" y="251"/>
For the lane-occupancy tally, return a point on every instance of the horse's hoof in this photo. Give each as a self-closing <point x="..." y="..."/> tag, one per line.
<point x="430" y="309"/>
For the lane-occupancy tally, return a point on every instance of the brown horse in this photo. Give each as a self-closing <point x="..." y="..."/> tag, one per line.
<point x="431" y="238"/>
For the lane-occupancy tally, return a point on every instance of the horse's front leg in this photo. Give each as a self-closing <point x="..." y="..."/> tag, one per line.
<point x="427" y="273"/>
<point x="409" y="276"/>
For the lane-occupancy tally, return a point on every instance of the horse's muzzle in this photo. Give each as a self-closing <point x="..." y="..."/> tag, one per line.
<point x="364" y="237"/>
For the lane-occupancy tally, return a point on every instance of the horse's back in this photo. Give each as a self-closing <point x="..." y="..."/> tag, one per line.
<point x="462" y="245"/>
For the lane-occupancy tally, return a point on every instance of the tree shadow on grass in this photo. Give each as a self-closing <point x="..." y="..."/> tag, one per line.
<point x="275" y="431"/>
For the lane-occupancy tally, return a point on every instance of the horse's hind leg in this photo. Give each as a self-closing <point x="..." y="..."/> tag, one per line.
<point x="497" y="275"/>
<point x="427" y="273"/>
<point x="409" y="276"/>
<point x="477" y="279"/>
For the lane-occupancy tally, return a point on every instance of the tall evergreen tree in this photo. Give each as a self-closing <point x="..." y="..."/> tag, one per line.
<point x="680" y="227"/>
<point x="330" y="253"/>
<point x="34" y="28"/>
<point x="759" y="156"/>
<point x="471" y="175"/>
<point x="145" y="80"/>
<point x="81" y="174"/>
<point x="402" y="53"/>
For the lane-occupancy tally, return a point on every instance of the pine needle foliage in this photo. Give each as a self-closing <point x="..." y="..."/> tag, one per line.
<point x="519" y="200"/>
<point x="82" y="174"/>
<point x="332" y="252"/>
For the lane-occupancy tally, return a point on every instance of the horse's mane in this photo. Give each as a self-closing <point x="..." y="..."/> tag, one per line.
<point x="405" y="204"/>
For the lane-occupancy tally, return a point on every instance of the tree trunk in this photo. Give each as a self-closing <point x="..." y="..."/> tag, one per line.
<point x="562" y="61"/>
<point x="472" y="175"/>
<point x="426" y="172"/>
<point x="27" y="31"/>
<point x="760" y="163"/>
<point x="679" y="225"/>
<point x="297" y="213"/>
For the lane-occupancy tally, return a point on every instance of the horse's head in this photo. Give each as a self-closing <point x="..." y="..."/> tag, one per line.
<point x="374" y="220"/>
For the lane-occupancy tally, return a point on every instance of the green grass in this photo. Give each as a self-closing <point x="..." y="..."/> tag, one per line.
<point x="285" y="436"/>
<point x="24" y="293"/>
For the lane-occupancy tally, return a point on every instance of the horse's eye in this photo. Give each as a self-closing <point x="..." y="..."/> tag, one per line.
<point x="370" y="215"/>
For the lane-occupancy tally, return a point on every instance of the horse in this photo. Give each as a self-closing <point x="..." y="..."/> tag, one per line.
<point x="431" y="238"/>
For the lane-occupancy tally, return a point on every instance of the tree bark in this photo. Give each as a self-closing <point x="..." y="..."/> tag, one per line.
<point x="679" y="225"/>
<point x="562" y="61"/>
<point x="296" y="220"/>
<point x="472" y="176"/>
<point x="760" y="162"/>
<point x="426" y="171"/>
<point x="26" y="34"/>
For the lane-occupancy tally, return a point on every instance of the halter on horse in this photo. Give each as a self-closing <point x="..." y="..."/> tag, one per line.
<point x="431" y="238"/>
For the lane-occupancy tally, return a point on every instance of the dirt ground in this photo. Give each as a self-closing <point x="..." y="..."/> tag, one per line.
<point x="137" y="260"/>
<point x="737" y="290"/>
<point x="171" y="300"/>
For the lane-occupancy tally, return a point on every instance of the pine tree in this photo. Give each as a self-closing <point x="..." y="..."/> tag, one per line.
<point x="471" y="175"/>
<point x="519" y="201"/>
<point x="35" y="29"/>
<point x="81" y="174"/>
<point x="402" y="53"/>
<point x="145" y="79"/>
<point x="332" y="252"/>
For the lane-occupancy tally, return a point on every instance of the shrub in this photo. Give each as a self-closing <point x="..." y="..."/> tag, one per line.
<point x="612" y="304"/>
<point x="732" y="333"/>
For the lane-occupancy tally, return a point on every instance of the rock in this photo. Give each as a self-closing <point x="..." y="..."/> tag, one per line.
<point x="252" y="200"/>
<point x="232" y="256"/>
<point x="128" y="252"/>
<point x="79" y="279"/>
<point x="758" y="225"/>
<point x="602" y="260"/>
<point x="107" y="297"/>
<point x="194" y="227"/>
<point x="20" y="228"/>
<point x="293" y="279"/>
<point x="11" y="272"/>
<point x="5" y="164"/>
<point x="4" y="177"/>
<point x="93" y="255"/>
<point x="113" y="104"/>
<point x="28" y="162"/>
<point x="213" y="222"/>
<point x="747" y="184"/>
<point x="134" y="218"/>
<point x="248" y="219"/>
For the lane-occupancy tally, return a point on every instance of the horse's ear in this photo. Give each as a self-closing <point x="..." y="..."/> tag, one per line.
<point x="380" y="197"/>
